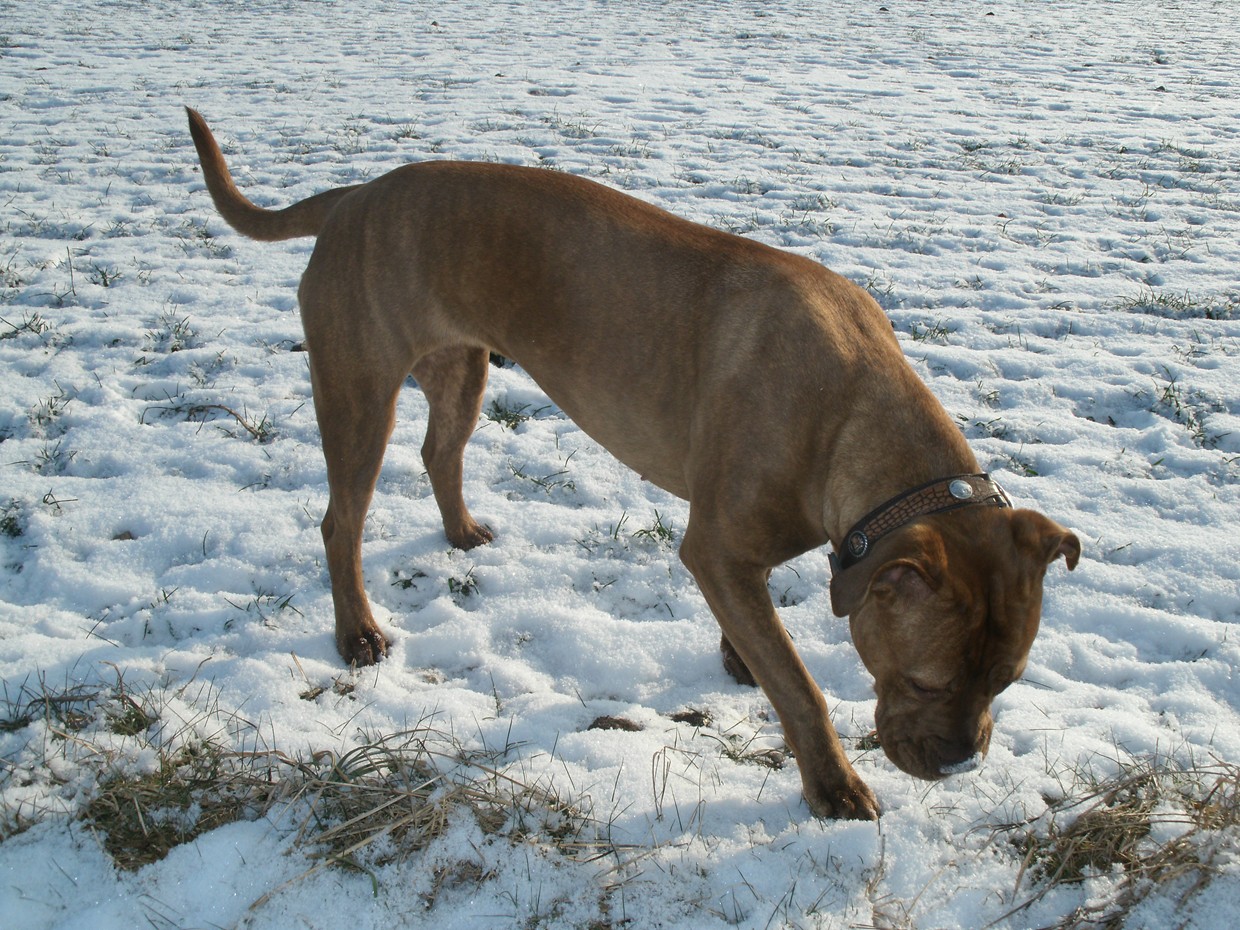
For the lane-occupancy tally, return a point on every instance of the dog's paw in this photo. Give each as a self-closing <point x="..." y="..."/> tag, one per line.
<point x="851" y="801"/>
<point x="471" y="536"/>
<point x="734" y="665"/>
<point x="364" y="647"/>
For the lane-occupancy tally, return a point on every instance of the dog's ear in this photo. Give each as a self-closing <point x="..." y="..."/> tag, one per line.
<point x="904" y="579"/>
<point x="908" y="565"/>
<point x="1044" y="539"/>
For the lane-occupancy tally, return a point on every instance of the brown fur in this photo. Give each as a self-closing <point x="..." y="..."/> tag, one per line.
<point x="766" y="390"/>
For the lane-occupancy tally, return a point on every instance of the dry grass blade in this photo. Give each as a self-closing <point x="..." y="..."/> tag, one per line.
<point x="1152" y="823"/>
<point x="141" y="818"/>
<point x="391" y="798"/>
<point x="372" y="792"/>
<point x="404" y="789"/>
<point x="71" y="708"/>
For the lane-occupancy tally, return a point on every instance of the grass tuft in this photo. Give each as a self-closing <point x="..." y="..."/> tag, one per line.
<point x="33" y="323"/>
<point x="12" y="520"/>
<point x="155" y="787"/>
<point x="1185" y="306"/>
<point x="141" y="818"/>
<point x="1189" y="407"/>
<point x="261" y="430"/>
<point x="1153" y="825"/>
<point x="510" y="415"/>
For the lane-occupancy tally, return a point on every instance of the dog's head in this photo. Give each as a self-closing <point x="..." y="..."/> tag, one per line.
<point x="943" y="613"/>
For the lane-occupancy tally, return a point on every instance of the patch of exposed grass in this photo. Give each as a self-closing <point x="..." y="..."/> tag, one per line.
<point x="393" y="796"/>
<point x="1154" y="826"/>
<point x="1150" y="829"/>
<point x="548" y="483"/>
<point x="1184" y="306"/>
<point x="141" y="818"/>
<point x="510" y="415"/>
<point x="71" y="708"/>
<point x="378" y="802"/>
<point x="32" y="323"/>
<point x="1189" y="407"/>
<point x="171" y="333"/>
<point x="466" y="586"/>
<point x="938" y="331"/>
<point x="659" y="532"/>
<point x="12" y="520"/>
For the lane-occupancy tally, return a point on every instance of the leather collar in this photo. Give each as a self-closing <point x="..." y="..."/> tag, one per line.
<point x="936" y="496"/>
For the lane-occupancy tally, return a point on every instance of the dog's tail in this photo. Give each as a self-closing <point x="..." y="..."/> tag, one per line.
<point x="301" y="219"/>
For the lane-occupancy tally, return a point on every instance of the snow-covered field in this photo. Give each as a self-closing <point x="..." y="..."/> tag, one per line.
<point x="1045" y="198"/>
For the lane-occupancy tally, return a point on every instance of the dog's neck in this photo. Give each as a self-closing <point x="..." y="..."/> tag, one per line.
<point x="869" y="470"/>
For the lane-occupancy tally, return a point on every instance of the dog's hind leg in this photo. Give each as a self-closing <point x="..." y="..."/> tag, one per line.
<point x="356" y="408"/>
<point x="453" y="381"/>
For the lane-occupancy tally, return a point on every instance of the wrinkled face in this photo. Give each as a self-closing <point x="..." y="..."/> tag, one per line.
<point x="948" y="624"/>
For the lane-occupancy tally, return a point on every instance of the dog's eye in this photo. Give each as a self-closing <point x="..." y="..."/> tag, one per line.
<point x="924" y="691"/>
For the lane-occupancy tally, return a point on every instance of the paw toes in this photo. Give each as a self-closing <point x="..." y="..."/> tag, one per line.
<point x="853" y="803"/>
<point x="471" y="537"/>
<point x="365" y="648"/>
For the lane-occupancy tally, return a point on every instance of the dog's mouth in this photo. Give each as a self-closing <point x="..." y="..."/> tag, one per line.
<point x="929" y="761"/>
<point x="931" y="749"/>
<point x="970" y="764"/>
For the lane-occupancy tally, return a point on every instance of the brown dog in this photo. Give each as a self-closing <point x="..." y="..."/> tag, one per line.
<point x="767" y="391"/>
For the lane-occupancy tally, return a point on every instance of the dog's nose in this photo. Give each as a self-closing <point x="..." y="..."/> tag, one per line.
<point x="959" y="756"/>
<point x="968" y="764"/>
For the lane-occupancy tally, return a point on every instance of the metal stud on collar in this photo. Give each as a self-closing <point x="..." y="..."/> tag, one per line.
<point x="960" y="489"/>
<point x="858" y="544"/>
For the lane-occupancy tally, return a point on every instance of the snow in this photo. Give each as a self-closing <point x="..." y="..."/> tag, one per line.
<point x="1046" y="200"/>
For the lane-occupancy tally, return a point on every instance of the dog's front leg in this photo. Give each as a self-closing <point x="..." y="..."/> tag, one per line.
<point x="737" y="594"/>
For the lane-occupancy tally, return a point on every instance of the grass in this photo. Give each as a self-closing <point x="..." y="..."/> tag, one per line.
<point x="32" y="323"/>
<point x="466" y="586"/>
<point x="1180" y="306"/>
<point x="658" y="532"/>
<point x="193" y="235"/>
<point x="50" y="459"/>
<point x="938" y="331"/>
<point x="12" y="522"/>
<point x="549" y="483"/>
<point x="141" y="818"/>
<point x="1154" y="826"/>
<point x="393" y="768"/>
<point x="47" y="412"/>
<point x="1189" y="407"/>
<point x="1149" y="828"/>
<point x="380" y="801"/>
<point x="171" y="334"/>
<point x="742" y="750"/>
<point x="508" y="415"/>
<point x="261" y="430"/>
<point x="265" y="605"/>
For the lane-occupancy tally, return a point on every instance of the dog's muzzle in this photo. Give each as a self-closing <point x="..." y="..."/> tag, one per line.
<point x="968" y="765"/>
